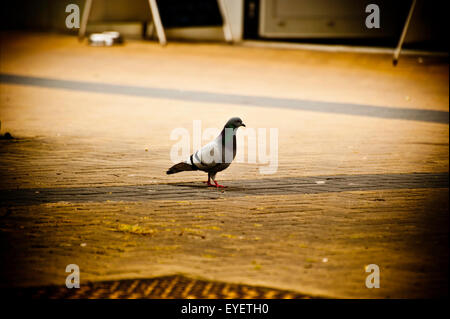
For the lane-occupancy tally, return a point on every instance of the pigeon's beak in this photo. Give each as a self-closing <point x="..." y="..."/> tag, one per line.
<point x="243" y="125"/>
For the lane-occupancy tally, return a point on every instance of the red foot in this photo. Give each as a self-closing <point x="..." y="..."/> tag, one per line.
<point x="218" y="185"/>
<point x="214" y="185"/>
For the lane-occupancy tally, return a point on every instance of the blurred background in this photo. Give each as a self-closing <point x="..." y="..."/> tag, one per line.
<point x="321" y="21"/>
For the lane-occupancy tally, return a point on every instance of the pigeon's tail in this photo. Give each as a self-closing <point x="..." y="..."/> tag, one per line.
<point x="180" y="167"/>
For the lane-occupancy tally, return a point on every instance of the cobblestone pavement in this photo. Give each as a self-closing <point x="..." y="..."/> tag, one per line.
<point x="206" y="97"/>
<point x="173" y="287"/>
<point x="362" y="175"/>
<point x="241" y="188"/>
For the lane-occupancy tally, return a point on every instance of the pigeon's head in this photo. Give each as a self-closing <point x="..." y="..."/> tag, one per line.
<point x="234" y="123"/>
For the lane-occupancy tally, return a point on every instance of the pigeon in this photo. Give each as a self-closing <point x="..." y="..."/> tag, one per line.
<point x="214" y="156"/>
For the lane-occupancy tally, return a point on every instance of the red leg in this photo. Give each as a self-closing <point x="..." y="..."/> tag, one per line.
<point x="218" y="185"/>
<point x="209" y="181"/>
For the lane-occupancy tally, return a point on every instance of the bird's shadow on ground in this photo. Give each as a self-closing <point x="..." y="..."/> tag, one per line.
<point x="204" y="186"/>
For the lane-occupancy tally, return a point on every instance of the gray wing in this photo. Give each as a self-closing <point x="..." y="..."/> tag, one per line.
<point x="208" y="157"/>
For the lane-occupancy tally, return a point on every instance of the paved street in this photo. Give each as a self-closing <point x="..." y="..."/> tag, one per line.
<point x="362" y="175"/>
